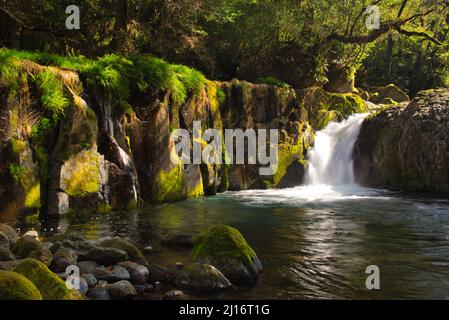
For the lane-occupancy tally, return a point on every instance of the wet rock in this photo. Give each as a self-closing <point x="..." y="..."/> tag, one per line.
<point x="84" y="286"/>
<point x="141" y="289"/>
<point x="107" y="255"/>
<point x="122" y="290"/>
<point x="90" y="279"/>
<point x="132" y="251"/>
<point x="138" y="273"/>
<point x="25" y="245"/>
<point x="178" y="240"/>
<point x="32" y="233"/>
<point x="10" y="233"/>
<point x="4" y="240"/>
<point x="63" y="258"/>
<point x="99" y="293"/>
<point x="225" y="248"/>
<point x="112" y="274"/>
<point x="87" y="266"/>
<point x="202" y="278"/>
<point x="5" y="254"/>
<point x="175" y="295"/>
<point x="158" y="273"/>
<point x="74" y="236"/>
<point x="43" y="254"/>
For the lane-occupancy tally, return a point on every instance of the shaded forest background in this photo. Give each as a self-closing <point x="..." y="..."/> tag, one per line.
<point x="296" y="41"/>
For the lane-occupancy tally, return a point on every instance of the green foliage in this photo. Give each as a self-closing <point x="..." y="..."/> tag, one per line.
<point x="9" y="73"/>
<point x="52" y="93"/>
<point x="273" y="82"/>
<point x="15" y="171"/>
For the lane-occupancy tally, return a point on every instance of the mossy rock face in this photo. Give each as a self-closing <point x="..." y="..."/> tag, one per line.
<point x="49" y="284"/>
<point x="133" y="252"/>
<point x="225" y="248"/>
<point x="14" y="286"/>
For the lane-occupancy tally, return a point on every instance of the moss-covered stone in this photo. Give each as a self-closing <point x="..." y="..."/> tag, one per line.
<point x="133" y="252"/>
<point x="225" y="248"/>
<point x="14" y="286"/>
<point x="49" y="284"/>
<point x="25" y="245"/>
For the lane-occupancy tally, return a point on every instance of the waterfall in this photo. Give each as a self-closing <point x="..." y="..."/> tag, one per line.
<point x="330" y="160"/>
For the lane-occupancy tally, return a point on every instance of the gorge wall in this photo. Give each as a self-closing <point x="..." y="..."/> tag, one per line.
<point x="104" y="154"/>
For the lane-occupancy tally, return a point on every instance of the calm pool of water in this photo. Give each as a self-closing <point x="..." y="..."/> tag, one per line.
<point x="314" y="242"/>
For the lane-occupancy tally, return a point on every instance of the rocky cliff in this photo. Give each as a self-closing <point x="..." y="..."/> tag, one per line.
<point x="406" y="147"/>
<point x="95" y="135"/>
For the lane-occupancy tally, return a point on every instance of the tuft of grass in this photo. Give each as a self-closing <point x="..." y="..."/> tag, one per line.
<point x="52" y="93"/>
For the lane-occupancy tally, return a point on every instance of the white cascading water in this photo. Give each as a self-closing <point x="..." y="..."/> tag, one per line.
<point x="330" y="160"/>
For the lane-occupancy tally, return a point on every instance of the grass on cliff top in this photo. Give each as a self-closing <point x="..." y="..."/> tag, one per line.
<point x="119" y="76"/>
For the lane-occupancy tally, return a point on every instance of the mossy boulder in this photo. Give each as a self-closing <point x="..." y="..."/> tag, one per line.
<point x="14" y="286"/>
<point x="341" y="79"/>
<point x="25" y="245"/>
<point x="385" y="95"/>
<point x="225" y="248"/>
<point x="49" y="284"/>
<point x="133" y="252"/>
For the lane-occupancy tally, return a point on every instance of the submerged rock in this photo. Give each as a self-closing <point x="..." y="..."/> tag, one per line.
<point x="202" y="278"/>
<point x="178" y="240"/>
<point x="225" y="248"/>
<point x="14" y="286"/>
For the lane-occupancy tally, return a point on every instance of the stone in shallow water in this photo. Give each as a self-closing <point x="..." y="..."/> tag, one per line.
<point x="158" y="273"/>
<point x="99" y="293"/>
<point x="107" y="256"/>
<point x="202" y="278"/>
<point x="112" y="274"/>
<point x="87" y="266"/>
<point x="178" y="240"/>
<point x="134" y="253"/>
<point x="138" y="273"/>
<point x="90" y="279"/>
<point x="63" y="258"/>
<point x="122" y="290"/>
<point x="175" y="295"/>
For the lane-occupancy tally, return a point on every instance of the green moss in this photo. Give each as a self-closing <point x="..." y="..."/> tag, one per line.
<point x="82" y="176"/>
<point x="32" y="198"/>
<point x="133" y="252"/>
<point x="223" y="242"/>
<point x="196" y="191"/>
<point x="273" y="82"/>
<point x="15" y="171"/>
<point x="170" y="185"/>
<point x="25" y="245"/>
<point x="49" y="284"/>
<point x="14" y="286"/>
